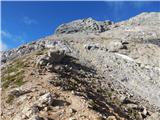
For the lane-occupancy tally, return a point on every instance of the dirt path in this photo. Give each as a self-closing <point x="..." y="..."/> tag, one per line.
<point x="67" y="105"/>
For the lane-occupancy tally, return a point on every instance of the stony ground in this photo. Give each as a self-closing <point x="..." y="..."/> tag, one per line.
<point x="68" y="103"/>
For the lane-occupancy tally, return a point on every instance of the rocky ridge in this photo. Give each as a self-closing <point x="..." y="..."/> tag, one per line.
<point x="88" y="25"/>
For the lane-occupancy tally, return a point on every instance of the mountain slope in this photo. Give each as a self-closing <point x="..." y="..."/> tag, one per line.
<point x="87" y="70"/>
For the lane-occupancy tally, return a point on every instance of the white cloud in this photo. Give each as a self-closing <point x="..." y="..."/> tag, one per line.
<point x="118" y="6"/>
<point x="5" y="35"/>
<point x="29" y="21"/>
<point x="3" y="46"/>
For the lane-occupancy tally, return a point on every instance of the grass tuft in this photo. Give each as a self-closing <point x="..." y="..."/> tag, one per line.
<point x="13" y="74"/>
<point x="10" y="99"/>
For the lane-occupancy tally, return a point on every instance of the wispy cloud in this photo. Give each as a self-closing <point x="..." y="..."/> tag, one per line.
<point x="3" y="46"/>
<point x="28" y="21"/>
<point x="117" y="7"/>
<point x="5" y="35"/>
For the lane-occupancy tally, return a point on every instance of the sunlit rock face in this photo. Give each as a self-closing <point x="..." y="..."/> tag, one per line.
<point x="88" y="25"/>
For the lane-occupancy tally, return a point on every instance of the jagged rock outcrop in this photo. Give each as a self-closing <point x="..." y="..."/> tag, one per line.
<point x="88" y="25"/>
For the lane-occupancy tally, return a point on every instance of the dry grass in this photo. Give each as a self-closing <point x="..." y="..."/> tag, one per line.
<point x="13" y="74"/>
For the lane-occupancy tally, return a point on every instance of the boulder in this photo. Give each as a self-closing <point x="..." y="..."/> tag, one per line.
<point x="56" y="56"/>
<point x="51" y="59"/>
<point x="134" y="106"/>
<point x="114" y="46"/>
<point x="91" y="46"/>
<point x="46" y="99"/>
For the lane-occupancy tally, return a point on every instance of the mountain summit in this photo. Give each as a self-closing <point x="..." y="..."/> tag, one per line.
<point x="88" y="25"/>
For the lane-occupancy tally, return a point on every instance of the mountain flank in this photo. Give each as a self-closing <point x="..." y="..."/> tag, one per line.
<point x="86" y="70"/>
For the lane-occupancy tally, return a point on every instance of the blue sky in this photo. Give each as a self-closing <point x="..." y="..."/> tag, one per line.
<point x="23" y="22"/>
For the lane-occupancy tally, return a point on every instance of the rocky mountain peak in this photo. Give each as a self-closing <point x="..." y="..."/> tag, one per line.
<point x="88" y="25"/>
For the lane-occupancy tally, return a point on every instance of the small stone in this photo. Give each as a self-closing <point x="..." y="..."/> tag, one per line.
<point x="57" y="107"/>
<point x="134" y="106"/>
<point x="46" y="99"/>
<point x="114" y="46"/>
<point x="72" y="119"/>
<point x="58" y="68"/>
<point x="46" y="109"/>
<point x="128" y="101"/>
<point x="49" y="67"/>
<point x="42" y="93"/>
<point x="34" y="109"/>
<point x="72" y="92"/>
<point x="91" y="46"/>
<point x="111" y="118"/>
<point x="24" y="117"/>
<point x="144" y="112"/>
<point x="36" y="117"/>
<point x="71" y="110"/>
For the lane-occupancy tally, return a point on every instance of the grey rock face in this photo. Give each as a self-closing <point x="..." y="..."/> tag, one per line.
<point x="142" y="81"/>
<point x="146" y="18"/>
<point x="88" y="25"/>
<point x="34" y="46"/>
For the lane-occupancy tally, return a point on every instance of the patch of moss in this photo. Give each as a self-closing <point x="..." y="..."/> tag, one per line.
<point x="41" y="52"/>
<point x="108" y="94"/>
<point x="92" y="103"/>
<point x="19" y="80"/>
<point x="134" y="114"/>
<point x="100" y="118"/>
<point x="10" y="99"/>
